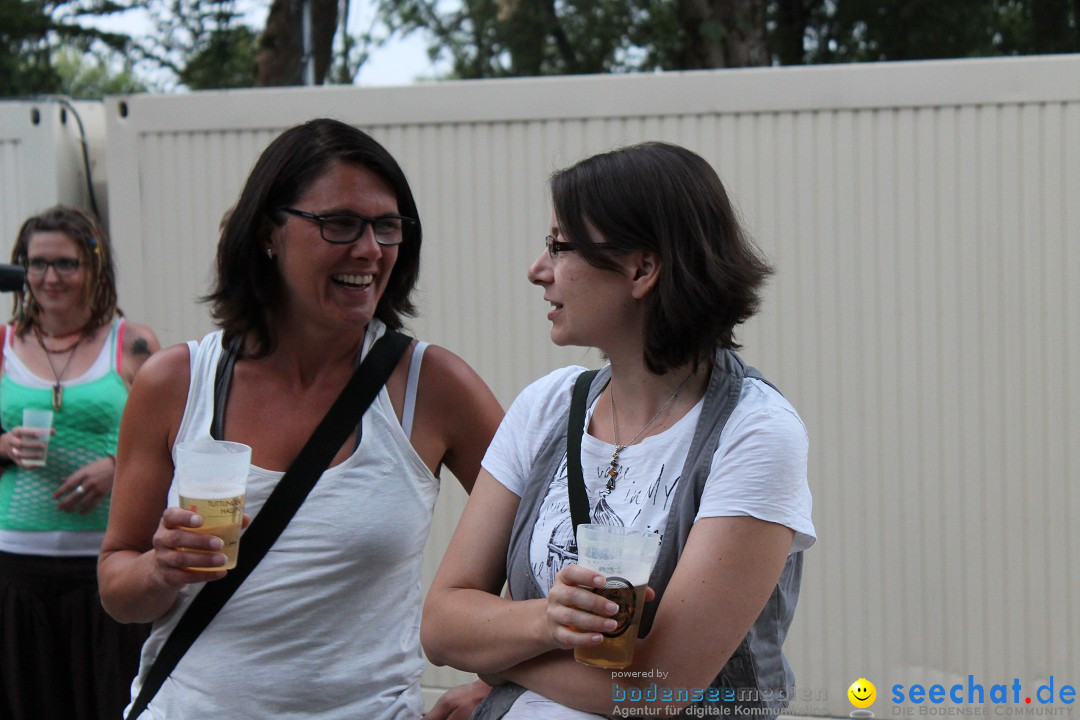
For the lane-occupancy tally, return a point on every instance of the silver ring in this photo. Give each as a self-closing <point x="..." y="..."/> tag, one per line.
<point x="79" y="489"/>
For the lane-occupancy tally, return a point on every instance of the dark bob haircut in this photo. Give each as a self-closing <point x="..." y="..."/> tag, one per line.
<point x="248" y="287"/>
<point x="90" y="237"/>
<point x="668" y="200"/>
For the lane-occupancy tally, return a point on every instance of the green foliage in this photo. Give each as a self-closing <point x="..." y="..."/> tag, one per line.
<point x="497" y="38"/>
<point x="1038" y="26"/>
<point x="226" y="60"/>
<point x="33" y="31"/>
<point x="870" y="30"/>
<point x="353" y="53"/>
<point x="199" y="43"/>
<point x="490" y="38"/>
<point x="89" y="76"/>
<point x="202" y="43"/>
<point x="874" y="30"/>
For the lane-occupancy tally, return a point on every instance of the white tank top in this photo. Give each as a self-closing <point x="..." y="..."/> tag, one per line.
<point x="327" y="625"/>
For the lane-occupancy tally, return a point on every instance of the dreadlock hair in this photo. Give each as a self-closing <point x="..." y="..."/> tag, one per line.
<point x="89" y="236"/>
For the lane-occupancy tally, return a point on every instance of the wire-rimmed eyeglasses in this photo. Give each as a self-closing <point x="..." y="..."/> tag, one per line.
<point x="344" y="229"/>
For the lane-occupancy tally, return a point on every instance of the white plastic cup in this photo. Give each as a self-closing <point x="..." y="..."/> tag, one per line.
<point x="625" y="557"/>
<point x="211" y="480"/>
<point x="40" y="420"/>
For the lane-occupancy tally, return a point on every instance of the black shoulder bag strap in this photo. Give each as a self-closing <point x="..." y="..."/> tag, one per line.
<point x="279" y="508"/>
<point x="575" y="485"/>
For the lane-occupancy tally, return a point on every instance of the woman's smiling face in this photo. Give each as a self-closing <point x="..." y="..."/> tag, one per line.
<point x="55" y="290"/>
<point x="338" y="285"/>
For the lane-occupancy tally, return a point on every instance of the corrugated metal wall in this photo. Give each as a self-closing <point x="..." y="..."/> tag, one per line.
<point x="923" y="319"/>
<point x="41" y="159"/>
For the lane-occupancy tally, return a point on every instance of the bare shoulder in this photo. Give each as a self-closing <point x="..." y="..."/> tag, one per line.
<point x="139" y="339"/>
<point x="157" y="400"/>
<point x="455" y="388"/>
<point x="448" y="374"/>
<point x="456" y="406"/>
<point x="140" y="343"/>
<point x="166" y="371"/>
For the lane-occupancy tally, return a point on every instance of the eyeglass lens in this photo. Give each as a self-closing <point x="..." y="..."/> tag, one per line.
<point x="553" y="246"/>
<point x="63" y="266"/>
<point x="347" y="228"/>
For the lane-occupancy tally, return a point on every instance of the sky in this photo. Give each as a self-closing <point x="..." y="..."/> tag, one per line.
<point x="399" y="63"/>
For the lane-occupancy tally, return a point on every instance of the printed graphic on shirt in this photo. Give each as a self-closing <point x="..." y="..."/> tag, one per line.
<point x="640" y="498"/>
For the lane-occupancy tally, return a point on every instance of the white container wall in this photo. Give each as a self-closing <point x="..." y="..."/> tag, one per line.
<point x="42" y="162"/>
<point x="924" y="317"/>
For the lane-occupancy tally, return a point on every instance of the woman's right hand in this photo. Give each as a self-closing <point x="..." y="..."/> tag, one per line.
<point x="178" y="549"/>
<point x="576" y="616"/>
<point x="22" y="445"/>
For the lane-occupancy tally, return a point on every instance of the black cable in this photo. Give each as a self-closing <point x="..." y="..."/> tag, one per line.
<point x="85" y="149"/>
<point x="85" y="155"/>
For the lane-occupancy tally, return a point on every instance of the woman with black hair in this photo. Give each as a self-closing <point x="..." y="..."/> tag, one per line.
<point x="316" y="262"/>
<point x="645" y="261"/>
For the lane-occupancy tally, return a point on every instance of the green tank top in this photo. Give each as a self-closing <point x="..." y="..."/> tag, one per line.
<point x="87" y="427"/>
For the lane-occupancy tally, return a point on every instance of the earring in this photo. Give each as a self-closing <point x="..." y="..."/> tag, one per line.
<point x="270" y="253"/>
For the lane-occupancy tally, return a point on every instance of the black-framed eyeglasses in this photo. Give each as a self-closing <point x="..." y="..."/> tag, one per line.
<point x="37" y="267"/>
<point x="344" y="229"/>
<point x="554" y="247"/>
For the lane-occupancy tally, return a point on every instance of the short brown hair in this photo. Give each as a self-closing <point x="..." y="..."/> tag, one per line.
<point x="666" y="199"/>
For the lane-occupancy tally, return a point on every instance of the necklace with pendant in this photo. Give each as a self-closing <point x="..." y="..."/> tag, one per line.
<point x="613" y="471"/>
<point x="58" y="389"/>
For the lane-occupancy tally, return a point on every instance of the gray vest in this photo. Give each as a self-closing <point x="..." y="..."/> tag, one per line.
<point x="757" y="675"/>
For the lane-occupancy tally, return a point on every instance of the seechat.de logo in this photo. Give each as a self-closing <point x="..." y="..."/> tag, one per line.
<point x="862" y="695"/>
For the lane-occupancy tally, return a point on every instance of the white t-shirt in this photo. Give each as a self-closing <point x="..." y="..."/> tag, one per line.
<point x="758" y="470"/>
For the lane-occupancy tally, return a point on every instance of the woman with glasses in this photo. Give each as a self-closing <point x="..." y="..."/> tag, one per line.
<point x="645" y="261"/>
<point x="67" y="350"/>
<point x="317" y="260"/>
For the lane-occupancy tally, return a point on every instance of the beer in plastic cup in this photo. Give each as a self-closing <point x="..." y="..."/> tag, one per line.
<point x="625" y="557"/>
<point x="211" y="479"/>
<point x="40" y="420"/>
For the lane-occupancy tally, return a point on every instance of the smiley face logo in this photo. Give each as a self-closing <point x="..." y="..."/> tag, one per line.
<point x="862" y="693"/>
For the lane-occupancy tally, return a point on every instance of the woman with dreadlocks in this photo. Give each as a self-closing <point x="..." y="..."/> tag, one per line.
<point x="69" y="350"/>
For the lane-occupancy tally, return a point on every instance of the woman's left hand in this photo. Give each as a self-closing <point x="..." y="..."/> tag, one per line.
<point x="84" y="489"/>
<point x="458" y="703"/>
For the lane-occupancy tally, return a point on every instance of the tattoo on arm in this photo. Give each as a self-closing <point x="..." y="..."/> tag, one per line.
<point x="140" y="347"/>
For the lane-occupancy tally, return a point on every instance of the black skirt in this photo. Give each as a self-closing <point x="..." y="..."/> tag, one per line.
<point x="61" y="655"/>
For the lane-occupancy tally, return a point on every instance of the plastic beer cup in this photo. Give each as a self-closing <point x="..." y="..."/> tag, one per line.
<point x="625" y="557"/>
<point x="211" y="479"/>
<point x="40" y="420"/>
